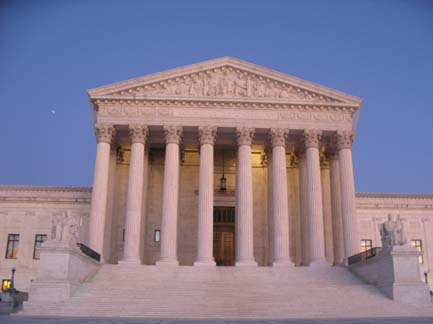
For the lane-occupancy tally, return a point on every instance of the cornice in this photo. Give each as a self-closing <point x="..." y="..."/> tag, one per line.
<point x="392" y="195"/>
<point x="261" y="104"/>
<point x="30" y="188"/>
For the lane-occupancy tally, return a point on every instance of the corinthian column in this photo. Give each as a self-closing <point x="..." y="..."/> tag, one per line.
<point x="104" y="134"/>
<point x="302" y="162"/>
<point x="207" y="137"/>
<point x="348" y="206"/>
<point x="337" y="219"/>
<point x="244" y="199"/>
<point x="170" y="196"/>
<point x="314" y="198"/>
<point x="138" y="135"/>
<point x="268" y="152"/>
<point x="280" y="207"/>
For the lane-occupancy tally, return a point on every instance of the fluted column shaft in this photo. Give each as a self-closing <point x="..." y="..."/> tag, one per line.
<point x="205" y="197"/>
<point x="134" y="203"/>
<point x="280" y="206"/>
<point x="170" y="196"/>
<point x="268" y="152"/>
<point x="98" y="208"/>
<point x="347" y="185"/>
<point x="302" y="162"/>
<point x="337" y="220"/>
<point x="244" y="199"/>
<point x="314" y="198"/>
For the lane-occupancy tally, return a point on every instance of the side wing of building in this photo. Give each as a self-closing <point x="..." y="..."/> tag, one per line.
<point x="26" y="213"/>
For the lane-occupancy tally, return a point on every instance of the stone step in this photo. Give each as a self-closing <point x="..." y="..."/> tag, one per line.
<point x="150" y="291"/>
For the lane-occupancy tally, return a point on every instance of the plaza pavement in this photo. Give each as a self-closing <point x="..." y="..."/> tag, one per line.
<point x="111" y="320"/>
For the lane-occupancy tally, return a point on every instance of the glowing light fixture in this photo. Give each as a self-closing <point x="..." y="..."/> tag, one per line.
<point x="223" y="180"/>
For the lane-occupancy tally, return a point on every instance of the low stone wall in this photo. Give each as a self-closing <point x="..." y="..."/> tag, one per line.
<point x="395" y="272"/>
<point x="62" y="269"/>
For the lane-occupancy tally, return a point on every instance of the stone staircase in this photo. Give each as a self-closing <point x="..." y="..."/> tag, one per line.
<point x="230" y="292"/>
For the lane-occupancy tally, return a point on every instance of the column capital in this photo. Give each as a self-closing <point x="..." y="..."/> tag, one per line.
<point x="344" y="139"/>
<point x="312" y="138"/>
<point x="207" y="134"/>
<point x="104" y="133"/>
<point x="138" y="133"/>
<point x="244" y="135"/>
<point x="278" y="136"/>
<point x="172" y="134"/>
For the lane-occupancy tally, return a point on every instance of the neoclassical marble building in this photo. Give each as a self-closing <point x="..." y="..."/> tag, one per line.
<point x="217" y="163"/>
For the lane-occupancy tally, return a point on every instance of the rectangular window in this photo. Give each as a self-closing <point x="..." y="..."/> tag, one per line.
<point x="366" y="245"/>
<point x="6" y="284"/>
<point x="39" y="239"/>
<point x="157" y="236"/>
<point x="418" y="245"/>
<point x="12" y="246"/>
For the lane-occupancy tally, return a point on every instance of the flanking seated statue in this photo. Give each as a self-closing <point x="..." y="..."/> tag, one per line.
<point x="392" y="232"/>
<point x="66" y="228"/>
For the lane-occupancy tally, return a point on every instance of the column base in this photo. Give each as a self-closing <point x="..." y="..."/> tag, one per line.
<point x="282" y="264"/>
<point x="319" y="263"/>
<point x="338" y="264"/>
<point x="247" y="263"/>
<point x="205" y="263"/>
<point x="168" y="263"/>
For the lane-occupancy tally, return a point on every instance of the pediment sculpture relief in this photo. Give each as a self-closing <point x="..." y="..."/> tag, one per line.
<point x="226" y="82"/>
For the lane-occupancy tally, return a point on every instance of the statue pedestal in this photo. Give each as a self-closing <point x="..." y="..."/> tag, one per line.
<point x="62" y="268"/>
<point x="396" y="273"/>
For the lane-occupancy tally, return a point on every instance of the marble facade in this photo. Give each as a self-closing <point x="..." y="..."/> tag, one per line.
<point x="163" y="142"/>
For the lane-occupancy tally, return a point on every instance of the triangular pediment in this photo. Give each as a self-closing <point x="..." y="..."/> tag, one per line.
<point x="224" y="78"/>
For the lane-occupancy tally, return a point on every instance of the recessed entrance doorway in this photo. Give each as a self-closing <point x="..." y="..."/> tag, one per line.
<point x="224" y="236"/>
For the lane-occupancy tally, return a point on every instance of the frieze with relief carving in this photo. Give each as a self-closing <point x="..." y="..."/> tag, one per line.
<point x="224" y="82"/>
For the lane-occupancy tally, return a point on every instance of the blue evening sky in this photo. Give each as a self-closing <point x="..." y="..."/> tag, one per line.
<point x="51" y="52"/>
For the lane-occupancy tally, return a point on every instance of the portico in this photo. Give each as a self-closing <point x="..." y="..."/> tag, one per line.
<point x="174" y="125"/>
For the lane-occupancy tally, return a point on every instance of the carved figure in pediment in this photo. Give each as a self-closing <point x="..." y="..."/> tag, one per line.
<point x="273" y="92"/>
<point x="228" y="85"/>
<point x="260" y="89"/>
<point x="392" y="232"/>
<point x="183" y="88"/>
<point x="240" y="87"/>
<point x="196" y="88"/>
<point x="211" y="86"/>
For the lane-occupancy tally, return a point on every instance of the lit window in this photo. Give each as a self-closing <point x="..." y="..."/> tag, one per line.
<point x="6" y="284"/>
<point x="418" y="245"/>
<point x="39" y="239"/>
<point x="157" y="236"/>
<point x="12" y="246"/>
<point x="366" y="245"/>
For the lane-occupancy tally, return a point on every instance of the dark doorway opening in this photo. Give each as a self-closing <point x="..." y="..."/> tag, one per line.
<point x="224" y="236"/>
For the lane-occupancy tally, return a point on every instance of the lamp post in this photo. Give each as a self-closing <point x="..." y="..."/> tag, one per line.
<point x="12" y="287"/>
